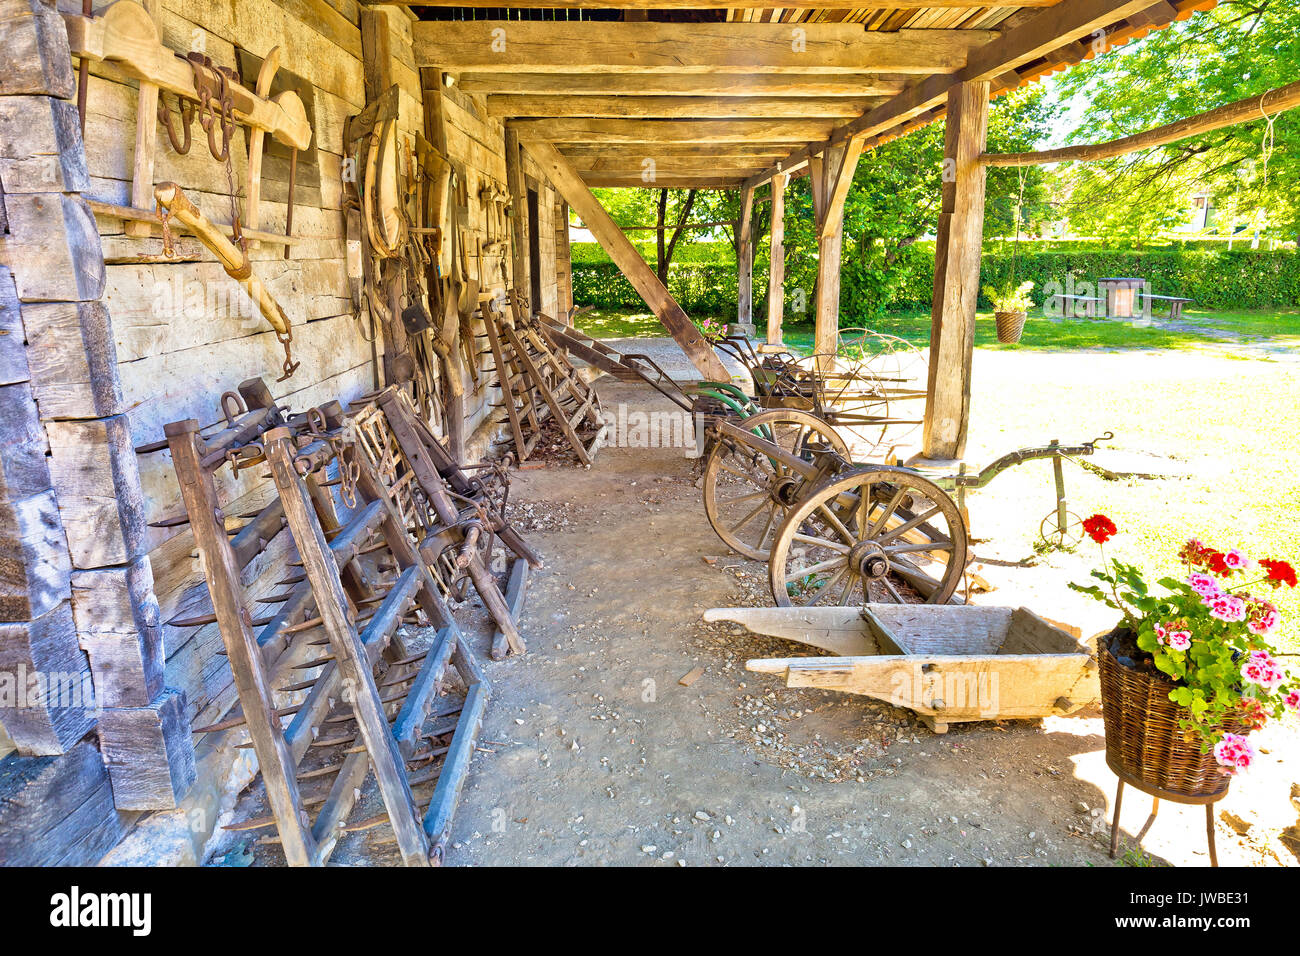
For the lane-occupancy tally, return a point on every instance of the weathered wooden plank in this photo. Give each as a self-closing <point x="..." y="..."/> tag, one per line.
<point x="53" y="248"/>
<point x="57" y="811"/>
<point x="569" y="130"/>
<point x="712" y="4"/>
<point x="40" y="146"/>
<point x="34" y="566"/>
<point x="13" y="338"/>
<point x="956" y="275"/>
<point x="119" y="626"/>
<point x="73" y="360"/>
<point x="35" y="57"/>
<point x="681" y="107"/>
<point x="573" y="46"/>
<point x="47" y="697"/>
<point x="23" y="468"/>
<point x="97" y="484"/>
<point x="149" y="753"/>
<point x="570" y="185"/>
<point x="856" y="85"/>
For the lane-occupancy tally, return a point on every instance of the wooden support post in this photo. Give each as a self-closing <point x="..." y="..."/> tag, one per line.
<point x="745" y="263"/>
<point x="956" y="274"/>
<point x="776" y="270"/>
<point x="570" y="185"/>
<point x="832" y="173"/>
<point x="519" y="225"/>
<point x="563" y="262"/>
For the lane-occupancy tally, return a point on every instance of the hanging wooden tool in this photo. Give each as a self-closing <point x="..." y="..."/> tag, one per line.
<point x="172" y="202"/>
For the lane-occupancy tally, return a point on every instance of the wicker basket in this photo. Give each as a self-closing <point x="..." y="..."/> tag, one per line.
<point x="1144" y="744"/>
<point x="1010" y="326"/>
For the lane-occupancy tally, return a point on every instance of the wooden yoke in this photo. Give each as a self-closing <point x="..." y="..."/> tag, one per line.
<point x="127" y="37"/>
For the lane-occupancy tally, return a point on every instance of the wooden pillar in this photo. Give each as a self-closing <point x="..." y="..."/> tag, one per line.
<point x="832" y="174"/>
<point x="563" y="263"/>
<point x="745" y="264"/>
<point x="629" y="261"/>
<point x="956" y="274"/>
<point x="776" y="271"/>
<point x="520" y="275"/>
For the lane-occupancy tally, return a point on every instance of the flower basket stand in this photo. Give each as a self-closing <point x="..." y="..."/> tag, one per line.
<point x="1146" y="748"/>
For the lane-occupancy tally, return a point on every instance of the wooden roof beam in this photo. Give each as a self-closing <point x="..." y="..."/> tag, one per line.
<point x="856" y="85"/>
<point x="634" y="181"/>
<point x="681" y="107"/>
<point x="1067" y="22"/>
<point x="711" y="4"/>
<point x="561" y="131"/>
<point x="514" y="46"/>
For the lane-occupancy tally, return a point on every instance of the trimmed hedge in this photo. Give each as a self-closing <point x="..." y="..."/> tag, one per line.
<point x="1240" y="279"/>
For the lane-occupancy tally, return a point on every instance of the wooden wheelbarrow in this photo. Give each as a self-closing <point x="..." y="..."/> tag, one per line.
<point x="949" y="663"/>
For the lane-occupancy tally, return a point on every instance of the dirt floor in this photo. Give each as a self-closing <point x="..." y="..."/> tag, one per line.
<point x="595" y="752"/>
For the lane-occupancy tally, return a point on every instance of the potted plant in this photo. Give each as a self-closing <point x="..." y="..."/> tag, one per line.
<point x="1188" y="673"/>
<point x="1011" y="305"/>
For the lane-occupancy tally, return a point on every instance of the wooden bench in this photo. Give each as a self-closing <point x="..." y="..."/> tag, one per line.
<point x="1176" y="304"/>
<point x="1089" y="302"/>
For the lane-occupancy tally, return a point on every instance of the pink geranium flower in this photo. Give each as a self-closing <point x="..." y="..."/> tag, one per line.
<point x="1234" y="752"/>
<point x="1292" y="700"/>
<point x="1206" y="585"/>
<point x="1234" y="559"/>
<point x="1180" y="640"/>
<point x="1226" y="607"/>
<point x="1261" y="669"/>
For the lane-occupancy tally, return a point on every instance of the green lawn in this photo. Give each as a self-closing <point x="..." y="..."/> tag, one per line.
<point x="1198" y="328"/>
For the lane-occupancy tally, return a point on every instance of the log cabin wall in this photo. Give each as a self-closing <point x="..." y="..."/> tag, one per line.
<point x="107" y="338"/>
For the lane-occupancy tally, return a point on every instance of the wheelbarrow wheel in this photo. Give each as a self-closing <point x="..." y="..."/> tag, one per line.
<point x="874" y="534"/>
<point x="746" y="494"/>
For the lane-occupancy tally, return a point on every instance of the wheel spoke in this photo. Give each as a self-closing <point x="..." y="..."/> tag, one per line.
<point x="825" y="589"/>
<point x="908" y="525"/>
<point x="889" y="586"/>
<point x="837" y="524"/>
<point x="749" y="517"/>
<point x="820" y="542"/>
<point x="889" y="510"/>
<point x="817" y="568"/>
<point x="739" y="498"/>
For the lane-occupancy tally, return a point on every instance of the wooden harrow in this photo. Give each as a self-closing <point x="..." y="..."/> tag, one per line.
<point x="328" y="688"/>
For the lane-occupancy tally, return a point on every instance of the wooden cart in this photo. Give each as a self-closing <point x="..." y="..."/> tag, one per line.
<point x="949" y="663"/>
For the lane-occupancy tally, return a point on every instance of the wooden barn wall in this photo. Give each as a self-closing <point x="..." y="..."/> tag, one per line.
<point x="180" y="336"/>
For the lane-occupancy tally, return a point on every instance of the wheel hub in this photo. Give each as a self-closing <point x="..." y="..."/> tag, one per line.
<point x="870" y="560"/>
<point x="784" y="490"/>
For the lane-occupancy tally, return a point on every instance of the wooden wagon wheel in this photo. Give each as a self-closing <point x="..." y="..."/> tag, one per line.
<point x="746" y="494"/>
<point x="847" y="394"/>
<point x="874" y="534"/>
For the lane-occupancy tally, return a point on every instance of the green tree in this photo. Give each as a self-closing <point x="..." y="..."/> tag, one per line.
<point x="1241" y="48"/>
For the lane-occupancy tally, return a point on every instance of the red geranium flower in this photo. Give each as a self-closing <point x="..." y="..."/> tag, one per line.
<point x="1100" y="528"/>
<point x="1279" y="573"/>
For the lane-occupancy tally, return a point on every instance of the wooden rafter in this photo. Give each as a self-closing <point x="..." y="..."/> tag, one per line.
<point x="687" y="84"/>
<point x="1044" y="33"/>
<point x="577" y="130"/>
<point x="682" y="107"/>
<point x="714" y="4"/>
<point x="515" y="46"/>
